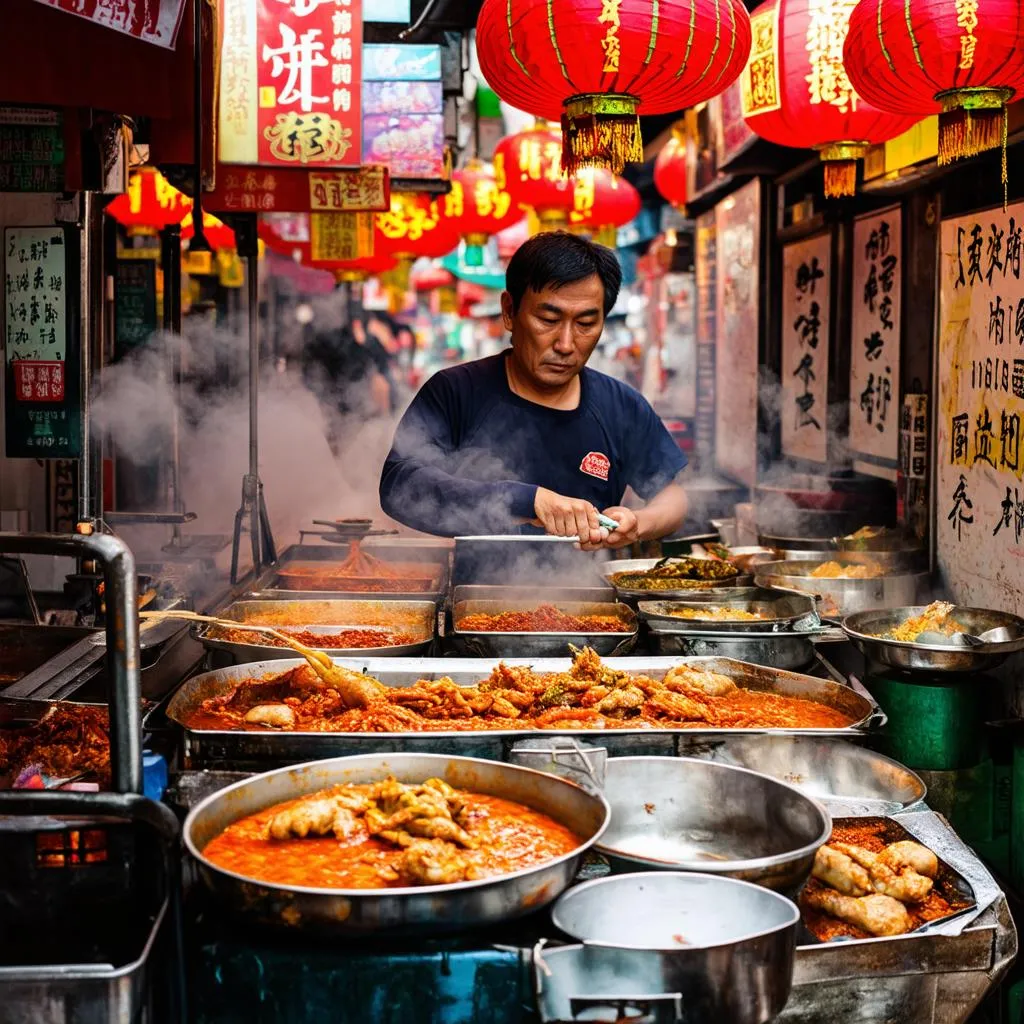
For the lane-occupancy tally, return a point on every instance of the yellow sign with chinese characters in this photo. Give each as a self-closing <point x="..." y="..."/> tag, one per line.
<point x="340" y="236"/>
<point x="759" y="84"/>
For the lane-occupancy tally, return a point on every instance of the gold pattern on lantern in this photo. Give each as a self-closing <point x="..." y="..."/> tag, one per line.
<point x="759" y="85"/>
<point x="611" y="44"/>
<point x="406" y="219"/>
<point x="582" y="196"/>
<point x="967" y="19"/>
<point x="826" y="32"/>
<point x="455" y="201"/>
<point x="490" y="200"/>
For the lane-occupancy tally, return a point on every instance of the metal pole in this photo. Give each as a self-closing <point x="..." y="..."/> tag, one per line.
<point x="85" y="359"/>
<point x="125" y="693"/>
<point x="170" y="259"/>
<point x="252" y="281"/>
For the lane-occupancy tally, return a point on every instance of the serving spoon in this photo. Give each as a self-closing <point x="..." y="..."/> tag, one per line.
<point x="355" y="688"/>
<point x="996" y="635"/>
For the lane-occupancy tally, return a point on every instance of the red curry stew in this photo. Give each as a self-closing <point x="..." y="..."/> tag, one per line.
<point x="389" y="838"/>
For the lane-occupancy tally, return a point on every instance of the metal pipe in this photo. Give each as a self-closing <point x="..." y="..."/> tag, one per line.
<point x="170" y="258"/>
<point x="125" y="695"/>
<point x="85" y="360"/>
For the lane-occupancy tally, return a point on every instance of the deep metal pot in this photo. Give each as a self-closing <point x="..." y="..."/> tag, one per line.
<point x="438" y="908"/>
<point x="790" y="651"/>
<point x="688" y="948"/>
<point x="682" y="814"/>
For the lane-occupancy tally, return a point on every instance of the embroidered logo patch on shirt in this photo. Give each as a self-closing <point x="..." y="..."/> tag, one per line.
<point x="596" y="464"/>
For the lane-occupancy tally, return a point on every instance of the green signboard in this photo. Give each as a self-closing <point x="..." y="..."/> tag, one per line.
<point x="42" y="415"/>
<point x="31" y="150"/>
<point x="135" y="309"/>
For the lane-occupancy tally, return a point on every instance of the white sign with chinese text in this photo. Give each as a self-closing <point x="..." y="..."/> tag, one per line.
<point x="738" y="220"/>
<point x="875" y="336"/>
<point x="980" y="495"/>
<point x="805" y="334"/>
<point x="35" y="286"/>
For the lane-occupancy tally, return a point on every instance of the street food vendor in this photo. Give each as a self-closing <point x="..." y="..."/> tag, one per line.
<point x="532" y="437"/>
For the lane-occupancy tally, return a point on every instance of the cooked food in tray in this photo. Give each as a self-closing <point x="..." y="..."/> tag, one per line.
<point x="717" y="613"/>
<point x="361" y="573"/>
<point x="346" y="639"/>
<point x="847" y="571"/>
<point x="936" y="618"/>
<point x="677" y="574"/>
<point x="389" y="834"/>
<point x="545" y="618"/>
<point x="863" y="885"/>
<point x="591" y="695"/>
<point x="69" y="740"/>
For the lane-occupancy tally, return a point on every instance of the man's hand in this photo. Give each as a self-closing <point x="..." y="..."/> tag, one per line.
<point x="627" y="533"/>
<point x="568" y="517"/>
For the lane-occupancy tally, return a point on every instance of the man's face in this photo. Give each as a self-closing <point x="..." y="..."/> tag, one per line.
<point x="555" y="330"/>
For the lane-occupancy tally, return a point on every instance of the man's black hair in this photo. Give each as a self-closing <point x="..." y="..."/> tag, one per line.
<point x="558" y="258"/>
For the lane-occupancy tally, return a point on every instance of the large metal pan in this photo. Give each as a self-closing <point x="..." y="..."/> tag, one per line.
<point x="686" y="588"/>
<point x="718" y="949"/>
<point x="840" y="597"/>
<point x="494" y="600"/>
<point x="865" y="629"/>
<point x="848" y="779"/>
<point x="414" y="617"/>
<point x="412" y="909"/>
<point x="780" y="612"/>
<point x="683" y="814"/>
<point x="221" y="748"/>
<point x="791" y="651"/>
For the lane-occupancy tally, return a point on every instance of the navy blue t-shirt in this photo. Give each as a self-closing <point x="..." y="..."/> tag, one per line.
<point x="469" y="454"/>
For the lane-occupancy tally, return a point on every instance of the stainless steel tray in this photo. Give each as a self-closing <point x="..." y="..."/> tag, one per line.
<point x="494" y="600"/>
<point x="416" y="617"/>
<point x="791" y="650"/>
<point x="241" y="749"/>
<point x="609" y="569"/>
<point x="781" y="611"/>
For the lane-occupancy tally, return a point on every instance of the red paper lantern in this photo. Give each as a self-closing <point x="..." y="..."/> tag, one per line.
<point x="216" y="232"/>
<point x="602" y="203"/>
<point x="150" y="202"/>
<point x="796" y="91"/>
<point x="529" y="166"/>
<point x="413" y="227"/>
<point x="357" y="270"/>
<point x="963" y="61"/>
<point x="479" y="208"/>
<point x="670" y="171"/>
<point x="595" y="63"/>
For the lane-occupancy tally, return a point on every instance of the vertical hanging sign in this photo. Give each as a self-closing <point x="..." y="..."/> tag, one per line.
<point x="979" y="460"/>
<point x="290" y="83"/>
<point x="706" y="266"/>
<point x="875" y="336"/>
<point x="41" y="412"/>
<point x="805" y="333"/>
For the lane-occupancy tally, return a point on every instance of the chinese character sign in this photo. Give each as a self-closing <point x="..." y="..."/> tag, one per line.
<point x="152" y="21"/>
<point x="35" y="287"/>
<point x="738" y="230"/>
<point x="979" y="456"/>
<point x="875" y="336"/>
<point x="290" y="81"/>
<point x="806" y="312"/>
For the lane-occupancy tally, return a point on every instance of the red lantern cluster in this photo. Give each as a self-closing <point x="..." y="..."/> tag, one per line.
<point x="796" y="91"/>
<point x="595" y="63"/>
<point x="670" y="171"/>
<point x="478" y="208"/>
<point x="963" y="61"/>
<point x="602" y="202"/>
<point x="528" y="166"/>
<point x="150" y="202"/>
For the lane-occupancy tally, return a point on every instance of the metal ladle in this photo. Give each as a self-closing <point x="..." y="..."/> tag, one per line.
<point x="996" y="635"/>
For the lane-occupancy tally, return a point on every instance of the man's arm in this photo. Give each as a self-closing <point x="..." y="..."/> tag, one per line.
<point x="417" y="489"/>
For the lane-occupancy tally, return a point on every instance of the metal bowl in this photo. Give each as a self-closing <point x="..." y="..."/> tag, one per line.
<point x="682" y="814"/>
<point x="847" y="779"/>
<point x="897" y="588"/>
<point x="721" y="949"/>
<point x="780" y="612"/>
<point x="685" y="589"/>
<point x="864" y="631"/>
<point x="435" y="908"/>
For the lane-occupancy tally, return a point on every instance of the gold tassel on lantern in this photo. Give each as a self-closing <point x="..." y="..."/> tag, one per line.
<point x="972" y="121"/>
<point x="600" y="130"/>
<point x="840" y="160"/>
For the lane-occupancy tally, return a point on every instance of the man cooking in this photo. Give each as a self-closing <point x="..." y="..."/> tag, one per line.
<point x="532" y="435"/>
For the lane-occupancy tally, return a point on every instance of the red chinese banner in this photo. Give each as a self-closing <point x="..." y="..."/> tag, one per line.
<point x="38" y="381"/>
<point x="257" y="190"/>
<point x="290" y="83"/>
<point x="151" y="21"/>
